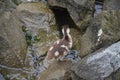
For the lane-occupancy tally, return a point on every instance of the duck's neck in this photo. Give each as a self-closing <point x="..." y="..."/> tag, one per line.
<point x="67" y="37"/>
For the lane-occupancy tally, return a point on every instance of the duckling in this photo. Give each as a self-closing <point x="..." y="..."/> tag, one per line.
<point x="60" y="48"/>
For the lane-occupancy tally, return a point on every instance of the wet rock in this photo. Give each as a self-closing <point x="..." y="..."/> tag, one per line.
<point x="100" y="64"/>
<point x="111" y="5"/>
<point x="73" y="56"/>
<point x="12" y="40"/>
<point x="102" y="31"/>
<point x="79" y="10"/>
<point x="39" y="20"/>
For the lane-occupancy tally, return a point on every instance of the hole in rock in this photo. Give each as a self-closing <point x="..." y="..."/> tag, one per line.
<point x="99" y="1"/>
<point x="62" y="17"/>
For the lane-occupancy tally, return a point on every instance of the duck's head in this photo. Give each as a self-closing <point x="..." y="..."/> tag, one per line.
<point x="65" y="30"/>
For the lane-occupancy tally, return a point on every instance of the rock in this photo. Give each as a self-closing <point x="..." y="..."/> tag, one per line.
<point x="35" y="16"/>
<point x="100" y="64"/>
<point x="102" y="31"/>
<point x="7" y="5"/>
<point x="76" y="37"/>
<point x="56" y="71"/>
<point x="12" y="41"/>
<point x="80" y="14"/>
<point x="1" y="77"/>
<point x="79" y="10"/>
<point x="114" y="76"/>
<point x="39" y="20"/>
<point x="111" y="5"/>
<point x="73" y="56"/>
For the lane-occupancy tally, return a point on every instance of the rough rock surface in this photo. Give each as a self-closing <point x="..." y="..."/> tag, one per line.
<point x="103" y="31"/>
<point x="100" y="64"/>
<point x="114" y="76"/>
<point x="76" y="37"/>
<point x="12" y="41"/>
<point x="35" y="16"/>
<point x="56" y="70"/>
<point x="111" y="5"/>
<point x="40" y="21"/>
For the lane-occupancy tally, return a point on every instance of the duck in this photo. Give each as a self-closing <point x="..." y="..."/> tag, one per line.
<point x="60" y="48"/>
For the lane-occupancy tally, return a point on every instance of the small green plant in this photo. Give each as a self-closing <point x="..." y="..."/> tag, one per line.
<point x="29" y="37"/>
<point x="36" y="38"/>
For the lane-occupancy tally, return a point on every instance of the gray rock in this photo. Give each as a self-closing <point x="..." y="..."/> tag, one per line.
<point x="12" y="41"/>
<point x="114" y="76"/>
<point x="100" y="64"/>
<point x="102" y="31"/>
<point x="73" y="56"/>
<point x="39" y="20"/>
<point x="35" y="16"/>
<point x="111" y="5"/>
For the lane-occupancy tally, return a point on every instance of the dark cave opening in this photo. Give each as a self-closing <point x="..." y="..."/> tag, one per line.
<point x="62" y="17"/>
<point x="99" y="2"/>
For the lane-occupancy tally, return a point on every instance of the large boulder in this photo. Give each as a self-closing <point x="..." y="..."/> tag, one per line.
<point x="102" y="31"/>
<point x="114" y="76"/>
<point x="13" y="45"/>
<point x="100" y="64"/>
<point x="35" y="16"/>
<point x="112" y="5"/>
<point x="39" y="20"/>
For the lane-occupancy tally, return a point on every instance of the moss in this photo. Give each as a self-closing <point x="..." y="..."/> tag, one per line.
<point x="36" y="38"/>
<point x="45" y="36"/>
<point x="28" y="35"/>
<point x="76" y="36"/>
<point x="24" y="28"/>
